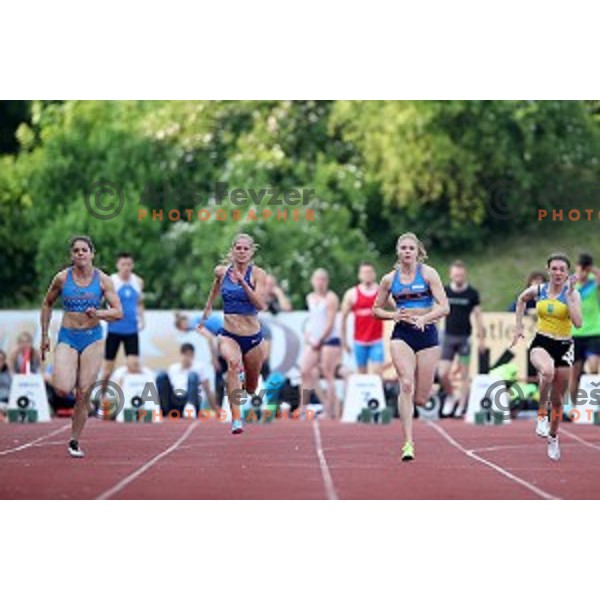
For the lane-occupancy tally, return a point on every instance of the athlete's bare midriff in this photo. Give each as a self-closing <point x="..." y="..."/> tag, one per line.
<point x="241" y="324"/>
<point x="78" y="320"/>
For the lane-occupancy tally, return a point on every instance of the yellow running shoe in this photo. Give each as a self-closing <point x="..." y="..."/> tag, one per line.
<point x="408" y="451"/>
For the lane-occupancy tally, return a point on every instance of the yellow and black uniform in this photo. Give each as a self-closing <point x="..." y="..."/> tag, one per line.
<point x="554" y="327"/>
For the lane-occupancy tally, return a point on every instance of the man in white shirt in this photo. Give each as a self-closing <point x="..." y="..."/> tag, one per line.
<point x="183" y="382"/>
<point x="118" y="375"/>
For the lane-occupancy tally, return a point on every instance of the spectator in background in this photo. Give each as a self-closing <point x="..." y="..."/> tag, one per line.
<point x="24" y="358"/>
<point x="118" y="375"/>
<point x="368" y="331"/>
<point x="210" y="332"/>
<point x="323" y="346"/>
<point x="186" y="377"/>
<point x="534" y="278"/>
<point x="587" y="337"/>
<point x="464" y="303"/>
<point x="130" y="288"/>
<point x="5" y="380"/>
<point x="275" y="297"/>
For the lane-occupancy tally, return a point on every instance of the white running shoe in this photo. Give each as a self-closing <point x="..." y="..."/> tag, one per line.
<point x="74" y="450"/>
<point x="553" y="448"/>
<point x="542" y="428"/>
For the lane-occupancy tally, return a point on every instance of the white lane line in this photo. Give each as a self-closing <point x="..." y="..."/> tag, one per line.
<point x="580" y="440"/>
<point x="327" y="479"/>
<point x="34" y="442"/>
<point x="497" y="448"/>
<point x="141" y="470"/>
<point x="471" y="454"/>
<point x="44" y="444"/>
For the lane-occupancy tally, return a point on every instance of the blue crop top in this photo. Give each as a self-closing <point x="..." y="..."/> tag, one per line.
<point x="412" y="295"/>
<point x="78" y="299"/>
<point x="235" y="299"/>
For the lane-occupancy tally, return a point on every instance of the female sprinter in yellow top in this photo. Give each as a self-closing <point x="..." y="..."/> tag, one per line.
<point x="420" y="301"/>
<point x="558" y="308"/>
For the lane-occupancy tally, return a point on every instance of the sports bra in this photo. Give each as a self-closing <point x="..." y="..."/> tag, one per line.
<point x="78" y="299"/>
<point x="416" y="294"/>
<point x="235" y="299"/>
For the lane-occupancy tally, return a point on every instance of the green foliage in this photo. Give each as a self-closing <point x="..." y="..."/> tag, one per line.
<point x="451" y="171"/>
<point x="18" y="228"/>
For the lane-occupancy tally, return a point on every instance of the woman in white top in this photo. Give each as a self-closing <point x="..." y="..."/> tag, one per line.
<point x="323" y="350"/>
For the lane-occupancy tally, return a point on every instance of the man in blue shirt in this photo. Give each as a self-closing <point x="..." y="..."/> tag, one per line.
<point x="129" y="288"/>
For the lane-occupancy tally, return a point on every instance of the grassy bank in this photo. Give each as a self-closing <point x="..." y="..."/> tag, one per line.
<point x="500" y="270"/>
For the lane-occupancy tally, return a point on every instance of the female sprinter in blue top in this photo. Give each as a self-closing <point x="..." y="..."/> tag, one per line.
<point x="558" y="308"/>
<point x="78" y="355"/>
<point x="242" y="288"/>
<point x="420" y="301"/>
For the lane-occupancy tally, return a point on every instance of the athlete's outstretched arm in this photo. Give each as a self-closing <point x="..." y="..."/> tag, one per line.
<point x="220" y="271"/>
<point x="528" y="294"/>
<point x="49" y="299"/>
<point x="114" y="312"/>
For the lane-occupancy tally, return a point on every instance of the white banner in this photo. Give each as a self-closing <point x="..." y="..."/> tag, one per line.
<point x="488" y="395"/>
<point x="160" y="341"/>
<point x="364" y="391"/>
<point x="28" y="392"/>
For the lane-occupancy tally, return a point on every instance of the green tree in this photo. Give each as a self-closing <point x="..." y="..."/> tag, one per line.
<point x="460" y="170"/>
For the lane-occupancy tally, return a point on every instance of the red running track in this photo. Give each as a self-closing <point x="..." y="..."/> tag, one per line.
<point x="296" y="460"/>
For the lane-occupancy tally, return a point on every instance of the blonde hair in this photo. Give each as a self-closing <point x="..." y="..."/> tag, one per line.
<point x="228" y="258"/>
<point x="421" y="252"/>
